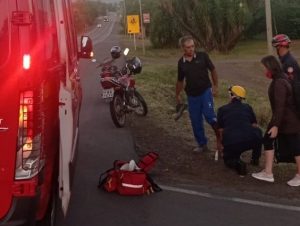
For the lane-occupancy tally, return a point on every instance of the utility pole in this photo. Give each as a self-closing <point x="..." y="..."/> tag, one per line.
<point x="269" y="25"/>
<point x="142" y="27"/>
<point x="125" y="14"/>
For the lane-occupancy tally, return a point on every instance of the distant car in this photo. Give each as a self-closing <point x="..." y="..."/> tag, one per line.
<point x="106" y="19"/>
<point x="99" y="25"/>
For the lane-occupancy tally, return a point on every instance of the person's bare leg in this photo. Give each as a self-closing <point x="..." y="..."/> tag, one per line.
<point x="269" y="155"/>
<point x="297" y="158"/>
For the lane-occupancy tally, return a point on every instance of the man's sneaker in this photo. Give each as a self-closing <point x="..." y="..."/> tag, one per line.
<point x="180" y="108"/>
<point x="201" y="148"/>
<point x="295" y="182"/>
<point x="263" y="176"/>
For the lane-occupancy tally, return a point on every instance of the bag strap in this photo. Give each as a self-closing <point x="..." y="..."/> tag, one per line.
<point x="103" y="177"/>
<point x="154" y="187"/>
<point x="152" y="155"/>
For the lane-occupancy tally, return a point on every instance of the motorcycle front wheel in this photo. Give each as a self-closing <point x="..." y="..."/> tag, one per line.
<point x="142" y="108"/>
<point x="117" y="111"/>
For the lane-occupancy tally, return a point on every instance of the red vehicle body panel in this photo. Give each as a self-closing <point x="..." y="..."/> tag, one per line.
<point x="9" y="102"/>
<point x="15" y="41"/>
<point x="41" y="32"/>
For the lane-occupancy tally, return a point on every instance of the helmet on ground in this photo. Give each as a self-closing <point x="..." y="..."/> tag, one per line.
<point x="134" y="65"/>
<point x="115" y="52"/>
<point x="238" y="91"/>
<point x="281" y="40"/>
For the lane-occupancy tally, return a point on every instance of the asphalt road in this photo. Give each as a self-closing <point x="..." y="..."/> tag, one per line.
<point x="101" y="143"/>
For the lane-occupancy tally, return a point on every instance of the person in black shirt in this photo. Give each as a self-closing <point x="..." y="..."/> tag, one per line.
<point x="239" y="131"/>
<point x="289" y="64"/>
<point x="193" y="69"/>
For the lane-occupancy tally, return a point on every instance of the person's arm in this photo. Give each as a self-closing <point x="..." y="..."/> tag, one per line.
<point x="221" y="130"/>
<point x="253" y="119"/>
<point x="179" y="84"/>
<point x="214" y="77"/>
<point x="280" y="99"/>
<point x="220" y="126"/>
<point x="179" y="88"/>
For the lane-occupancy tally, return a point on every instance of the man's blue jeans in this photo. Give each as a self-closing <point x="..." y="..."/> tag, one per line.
<point x="200" y="106"/>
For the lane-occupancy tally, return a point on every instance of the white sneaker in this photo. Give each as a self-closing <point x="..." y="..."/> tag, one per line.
<point x="295" y="182"/>
<point x="263" y="176"/>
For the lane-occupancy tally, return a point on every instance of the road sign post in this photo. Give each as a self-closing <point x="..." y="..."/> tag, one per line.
<point x="142" y="28"/>
<point x="146" y="18"/>
<point x="133" y="26"/>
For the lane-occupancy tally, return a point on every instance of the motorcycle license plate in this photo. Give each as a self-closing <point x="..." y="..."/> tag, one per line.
<point x="108" y="93"/>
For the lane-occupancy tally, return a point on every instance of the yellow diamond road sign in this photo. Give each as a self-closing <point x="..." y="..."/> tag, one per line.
<point x="133" y="24"/>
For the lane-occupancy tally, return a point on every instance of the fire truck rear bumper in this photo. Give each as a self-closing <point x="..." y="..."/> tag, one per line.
<point x="22" y="211"/>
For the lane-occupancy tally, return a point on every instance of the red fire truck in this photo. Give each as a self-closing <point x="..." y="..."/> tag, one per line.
<point x="40" y="98"/>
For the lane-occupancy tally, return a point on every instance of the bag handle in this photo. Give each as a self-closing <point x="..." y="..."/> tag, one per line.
<point x="103" y="177"/>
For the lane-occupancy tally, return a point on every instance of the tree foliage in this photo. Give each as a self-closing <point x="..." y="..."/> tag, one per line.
<point x="286" y="17"/>
<point x="85" y="13"/>
<point x="215" y="24"/>
<point x="164" y="30"/>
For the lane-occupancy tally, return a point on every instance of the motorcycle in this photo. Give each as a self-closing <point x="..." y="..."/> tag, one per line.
<point x="119" y="88"/>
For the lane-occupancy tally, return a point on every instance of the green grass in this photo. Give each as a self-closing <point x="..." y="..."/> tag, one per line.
<point x="244" y="50"/>
<point x="157" y="83"/>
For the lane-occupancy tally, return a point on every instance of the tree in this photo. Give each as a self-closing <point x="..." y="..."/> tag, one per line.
<point x="164" y="30"/>
<point x="285" y="14"/>
<point x="214" y="24"/>
<point x="85" y="13"/>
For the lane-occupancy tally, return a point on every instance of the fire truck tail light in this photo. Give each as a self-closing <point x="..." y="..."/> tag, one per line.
<point x="28" y="161"/>
<point x="26" y="61"/>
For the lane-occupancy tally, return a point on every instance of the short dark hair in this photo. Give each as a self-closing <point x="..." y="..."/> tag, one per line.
<point x="273" y="65"/>
<point x="184" y="39"/>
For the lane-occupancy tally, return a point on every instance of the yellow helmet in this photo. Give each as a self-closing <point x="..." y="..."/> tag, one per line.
<point x="238" y="91"/>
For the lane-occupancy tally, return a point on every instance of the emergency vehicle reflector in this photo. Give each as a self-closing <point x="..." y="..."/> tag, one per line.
<point x="28" y="152"/>
<point x="26" y="61"/>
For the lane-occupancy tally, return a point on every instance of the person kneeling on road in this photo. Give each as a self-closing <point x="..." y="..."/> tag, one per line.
<point x="239" y="131"/>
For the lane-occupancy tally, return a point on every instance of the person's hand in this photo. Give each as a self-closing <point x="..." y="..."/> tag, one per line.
<point x="214" y="91"/>
<point x="221" y="153"/>
<point x="273" y="132"/>
<point x="220" y="147"/>
<point x="178" y="99"/>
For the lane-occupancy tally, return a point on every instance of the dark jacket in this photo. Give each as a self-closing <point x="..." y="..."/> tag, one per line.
<point x="237" y="119"/>
<point x="283" y="108"/>
<point x="290" y="65"/>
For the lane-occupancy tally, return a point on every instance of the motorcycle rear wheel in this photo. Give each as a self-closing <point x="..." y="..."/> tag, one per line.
<point x="117" y="111"/>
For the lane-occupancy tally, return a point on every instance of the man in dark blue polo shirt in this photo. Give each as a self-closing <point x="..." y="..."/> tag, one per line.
<point x="193" y="69"/>
<point x="289" y="64"/>
<point x="239" y="131"/>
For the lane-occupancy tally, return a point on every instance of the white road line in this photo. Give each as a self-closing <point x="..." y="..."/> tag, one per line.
<point x="231" y="199"/>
